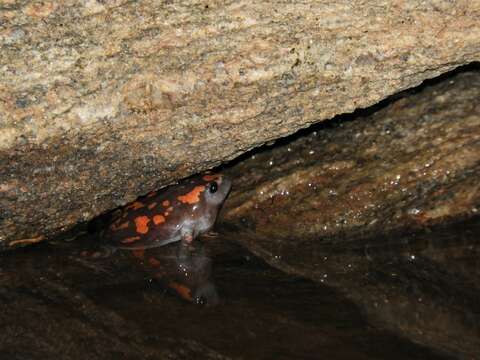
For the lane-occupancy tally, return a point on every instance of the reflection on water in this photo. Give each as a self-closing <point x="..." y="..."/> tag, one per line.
<point x="423" y="286"/>
<point x="57" y="304"/>
<point x="185" y="269"/>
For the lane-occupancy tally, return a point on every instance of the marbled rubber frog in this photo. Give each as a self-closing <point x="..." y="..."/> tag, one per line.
<point x="178" y="213"/>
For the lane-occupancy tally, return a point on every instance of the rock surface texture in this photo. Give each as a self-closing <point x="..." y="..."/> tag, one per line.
<point x="408" y="165"/>
<point x="104" y="101"/>
<point x="338" y="206"/>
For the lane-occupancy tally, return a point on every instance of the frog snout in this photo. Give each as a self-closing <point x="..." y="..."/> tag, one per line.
<point x="225" y="184"/>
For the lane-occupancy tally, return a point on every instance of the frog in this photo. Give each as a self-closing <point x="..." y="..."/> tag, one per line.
<point x="180" y="212"/>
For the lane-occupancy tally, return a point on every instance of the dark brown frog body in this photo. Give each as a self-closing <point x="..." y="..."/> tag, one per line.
<point x="179" y="212"/>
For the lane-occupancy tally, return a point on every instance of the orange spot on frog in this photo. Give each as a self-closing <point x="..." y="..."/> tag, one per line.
<point x="141" y="223"/>
<point x="193" y="196"/>
<point x="152" y="205"/>
<point x="209" y="177"/>
<point x="116" y="227"/>
<point x="131" y="239"/>
<point x="158" y="219"/>
<point x="166" y="203"/>
<point x="168" y="211"/>
<point x="135" y="205"/>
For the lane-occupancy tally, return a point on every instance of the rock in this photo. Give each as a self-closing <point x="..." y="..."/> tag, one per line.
<point x="103" y="101"/>
<point x="338" y="204"/>
<point x="411" y="164"/>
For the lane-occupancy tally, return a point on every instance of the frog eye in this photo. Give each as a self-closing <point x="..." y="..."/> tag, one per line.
<point x="213" y="187"/>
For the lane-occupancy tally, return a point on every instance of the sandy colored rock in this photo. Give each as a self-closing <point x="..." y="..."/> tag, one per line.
<point x="103" y="101"/>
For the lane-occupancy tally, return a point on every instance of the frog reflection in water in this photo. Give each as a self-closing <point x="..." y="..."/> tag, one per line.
<point x="187" y="273"/>
<point x="177" y="213"/>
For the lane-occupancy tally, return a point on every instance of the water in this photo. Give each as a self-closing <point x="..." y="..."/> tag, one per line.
<point x="58" y="305"/>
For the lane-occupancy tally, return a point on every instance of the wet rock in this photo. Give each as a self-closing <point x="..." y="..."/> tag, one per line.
<point x="104" y="101"/>
<point x="411" y="164"/>
<point x="339" y="205"/>
<point x="423" y="287"/>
